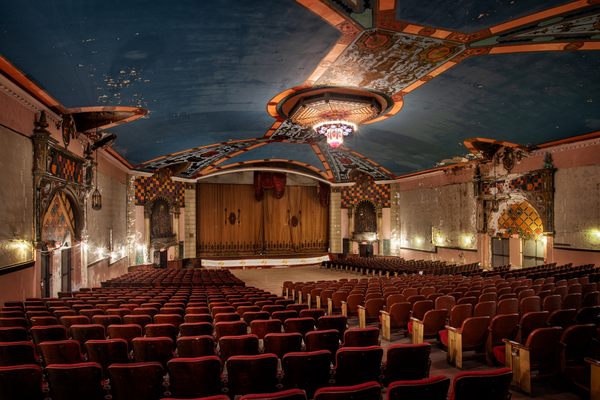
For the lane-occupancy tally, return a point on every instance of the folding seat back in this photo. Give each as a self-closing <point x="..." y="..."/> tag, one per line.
<point x="250" y="316"/>
<point x="13" y="334"/>
<point x="43" y="321"/>
<point x="503" y="326"/>
<point x="445" y="302"/>
<point x="363" y="391"/>
<point x="530" y="322"/>
<point x="271" y="308"/>
<point x="12" y="313"/>
<point x="474" y="332"/>
<point x="575" y="343"/>
<point x="572" y="300"/>
<point x="252" y="374"/>
<point x="61" y="352"/>
<point x="282" y="343"/>
<point x="591" y="299"/>
<point x="284" y="315"/>
<point x="107" y="351"/>
<point x="328" y="339"/>
<point x="121" y="311"/>
<point x="21" y="382"/>
<point x="485" y="309"/>
<point x="416" y="298"/>
<point x="352" y="303"/>
<point x="400" y="314"/>
<point x="338" y="322"/>
<point x="544" y="349"/>
<point x="195" y="329"/>
<point x="222" y="309"/>
<point x="195" y="346"/>
<point x="106" y="320"/>
<point x="173" y="319"/>
<point x="91" y="312"/>
<point x="314" y="313"/>
<point x="226" y="317"/>
<point x="552" y="303"/>
<point x="161" y="330"/>
<point x="67" y="321"/>
<point x="433" y="322"/>
<point x="419" y="308"/>
<point x="242" y="345"/>
<point x="587" y="315"/>
<point x="361" y="337"/>
<point x="508" y="306"/>
<point x="407" y="362"/>
<point x="198" y="318"/>
<point x="472" y="385"/>
<point x="171" y="310"/>
<point x="562" y="318"/>
<point x="290" y="394"/>
<point x="83" y="333"/>
<point x="76" y="381"/>
<point x="358" y="364"/>
<point x="373" y="307"/>
<point x="17" y="353"/>
<point x="490" y="296"/>
<point x="434" y="388"/>
<point x="140" y="380"/>
<point x="159" y="349"/>
<point x="197" y="310"/>
<point x="337" y="298"/>
<point x="9" y="322"/>
<point x="467" y="300"/>
<point x="195" y="377"/>
<point x="124" y="331"/>
<point x="230" y="328"/>
<point x="263" y="327"/>
<point x="308" y="370"/>
<point x="300" y="325"/>
<point x="459" y="313"/>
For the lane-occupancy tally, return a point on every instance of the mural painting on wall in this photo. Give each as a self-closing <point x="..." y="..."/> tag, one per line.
<point x="149" y="188"/>
<point x="366" y="217"/>
<point x="365" y="188"/>
<point x="160" y="220"/>
<point x="520" y="219"/>
<point x="58" y="225"/>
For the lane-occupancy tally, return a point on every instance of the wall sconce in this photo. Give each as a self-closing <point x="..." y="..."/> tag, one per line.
<point x="467" y="240"/>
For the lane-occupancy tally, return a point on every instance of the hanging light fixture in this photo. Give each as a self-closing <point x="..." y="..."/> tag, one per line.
<point x="96" y="196"/>
<point x="334" y="112"/>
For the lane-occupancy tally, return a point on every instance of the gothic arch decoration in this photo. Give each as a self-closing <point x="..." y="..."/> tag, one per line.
<point x="366" y="217"/>
<point x="59" y="223"/>
<point x="519" y="218"/>
<point x="60" y="180"/>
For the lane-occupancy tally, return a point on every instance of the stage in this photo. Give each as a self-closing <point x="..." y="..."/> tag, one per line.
<point x="279" y="261"/>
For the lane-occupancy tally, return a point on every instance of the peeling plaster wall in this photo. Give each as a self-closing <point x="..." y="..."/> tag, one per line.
<point x="450" y="209"/>
<point x="16" y="220"/>
<point x="112" y="183"/>
<point x="577" y="210"/>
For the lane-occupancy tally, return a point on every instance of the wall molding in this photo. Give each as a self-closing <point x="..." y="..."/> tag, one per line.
<point x="16" y="267"/>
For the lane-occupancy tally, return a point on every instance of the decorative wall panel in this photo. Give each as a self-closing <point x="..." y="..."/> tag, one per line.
<point x="376" y="194"/>
<point x="148" y="188"/>
<point x="520" y="219"/>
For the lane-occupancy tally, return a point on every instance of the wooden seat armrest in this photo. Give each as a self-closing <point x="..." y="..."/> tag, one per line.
<point x="413" y="319"/>
<point x="515" y="344"/>
<point x="382" y="312"/>
<point x="343" y="302"/>
<point x="361" y="307"/>
<point x="592" y="361"/>
<point x="453" y="329"/>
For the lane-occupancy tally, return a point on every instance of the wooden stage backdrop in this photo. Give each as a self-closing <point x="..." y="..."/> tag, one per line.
<point x="231" y="222"/>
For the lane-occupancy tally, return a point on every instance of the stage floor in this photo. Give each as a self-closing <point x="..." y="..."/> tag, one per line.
<point x="263" y="262"/>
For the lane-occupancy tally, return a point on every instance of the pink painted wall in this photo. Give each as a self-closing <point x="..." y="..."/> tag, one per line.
<point x="102" y="271"/>
<point x="455" y="256"/>
<point x="576" y="257"/>
<point x="19" y="285"/>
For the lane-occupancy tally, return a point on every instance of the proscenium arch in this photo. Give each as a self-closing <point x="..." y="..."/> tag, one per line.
<point x="269" y="169"/>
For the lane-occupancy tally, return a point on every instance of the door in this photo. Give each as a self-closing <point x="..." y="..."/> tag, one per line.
<point x="46" y="274"/>
<point x="365" y="250"/>
<point x="65" y="274"/>
<point x="500" y="252"/>
<point x="534" y="252"/>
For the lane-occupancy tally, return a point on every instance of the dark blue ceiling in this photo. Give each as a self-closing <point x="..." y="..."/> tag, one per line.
<point x="523" y="98"/>
<point x="204" y="69"/>
<point x="468" y="15"/>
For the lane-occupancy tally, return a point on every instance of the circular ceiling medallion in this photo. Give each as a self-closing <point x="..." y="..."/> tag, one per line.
<point x="309" y="107"/>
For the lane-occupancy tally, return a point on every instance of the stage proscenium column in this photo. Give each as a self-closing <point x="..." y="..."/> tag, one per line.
<point x="335" y="221"/>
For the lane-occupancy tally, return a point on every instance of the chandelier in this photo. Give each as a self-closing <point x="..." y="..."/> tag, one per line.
<point x="335" y="131"/>
<point x="334" y="112"/>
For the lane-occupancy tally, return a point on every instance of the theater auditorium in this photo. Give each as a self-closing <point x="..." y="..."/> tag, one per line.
<point x="299" y="199"/>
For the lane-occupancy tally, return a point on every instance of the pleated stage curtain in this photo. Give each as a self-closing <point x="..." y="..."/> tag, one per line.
<point x="231" y="222"/>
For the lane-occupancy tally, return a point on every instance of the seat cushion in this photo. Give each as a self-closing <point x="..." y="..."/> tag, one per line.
<point x="500" y="354"/>
<point x="410" y="327"/>
<point x="444" y="337"/>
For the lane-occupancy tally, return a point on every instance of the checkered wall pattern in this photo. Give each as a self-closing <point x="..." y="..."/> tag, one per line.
<point x="526" y="183"/>
<point x="65" y="167"/>
<point x="148" y="188"/>
<point x="520" y="219"/>
<point x="377" y="194"/>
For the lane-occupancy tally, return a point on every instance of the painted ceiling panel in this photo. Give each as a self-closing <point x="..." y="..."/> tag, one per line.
<point x="204" y="69"/>
<point x="286" y="151"/>
<point x="468" y="16"/>
<point x="522" y="98"/>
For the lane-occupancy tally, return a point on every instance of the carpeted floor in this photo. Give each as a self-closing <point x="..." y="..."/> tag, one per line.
<point x="272" y="279"/>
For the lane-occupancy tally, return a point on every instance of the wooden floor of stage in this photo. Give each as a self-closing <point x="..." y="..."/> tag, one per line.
<point x="272" y="280"/>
